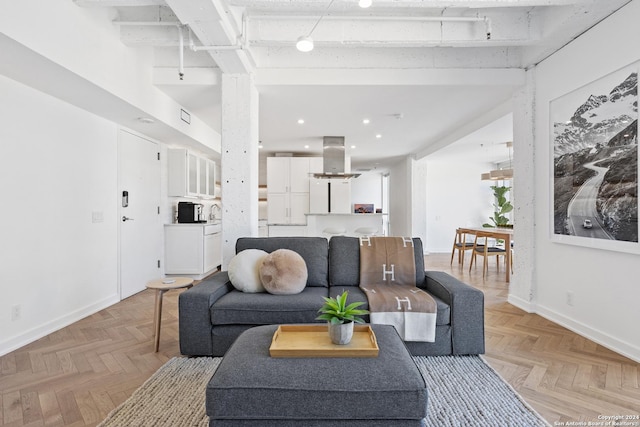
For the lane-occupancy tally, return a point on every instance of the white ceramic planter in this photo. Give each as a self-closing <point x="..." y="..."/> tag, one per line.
<point x="341" y="333"/>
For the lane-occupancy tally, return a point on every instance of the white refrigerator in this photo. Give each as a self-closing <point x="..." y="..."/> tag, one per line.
<point x="331" y="195"/>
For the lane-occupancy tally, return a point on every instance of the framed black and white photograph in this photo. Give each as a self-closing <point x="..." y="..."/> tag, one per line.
<point x="594" y="136"/>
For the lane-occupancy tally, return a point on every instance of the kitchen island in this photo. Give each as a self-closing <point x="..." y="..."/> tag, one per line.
<point x="350" y="222"/>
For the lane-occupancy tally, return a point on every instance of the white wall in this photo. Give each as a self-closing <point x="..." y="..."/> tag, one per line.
<point x="400" y="198"/>
<point x="75" y="53"/>
<point x="58" y="165"/>
<point x="456" y="197"/>
<point x="604" y="283"/>
<point x="367" y="188"/>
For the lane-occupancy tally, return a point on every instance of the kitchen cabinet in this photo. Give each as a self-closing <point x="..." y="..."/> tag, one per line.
<point x="194" y="250"/>
<point x="207" y="178"/>
<point x="288" y="174"/>
<point x="287" y="190"/>
<point x="288" y="208"/>
<point x="190" y="175"/>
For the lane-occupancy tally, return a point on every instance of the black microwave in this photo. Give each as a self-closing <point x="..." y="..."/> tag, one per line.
<point x="189" y="213"/>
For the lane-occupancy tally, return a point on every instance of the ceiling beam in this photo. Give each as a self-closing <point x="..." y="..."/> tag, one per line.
<point x="214" y="25"/>
<point x="378" y="5"/>
<point x="118" y="3"/>
<point x="391" y="77"/>
<point x="464" y="129"/>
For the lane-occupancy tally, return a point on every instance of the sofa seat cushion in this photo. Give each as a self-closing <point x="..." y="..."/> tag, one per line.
<point x="356" y="294"/>
<point x="267" y="309"/>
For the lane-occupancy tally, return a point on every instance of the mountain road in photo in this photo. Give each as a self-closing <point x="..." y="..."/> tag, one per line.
<point x="583" y="207"/>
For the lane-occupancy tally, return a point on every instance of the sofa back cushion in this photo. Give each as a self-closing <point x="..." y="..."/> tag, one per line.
<point x="314" y="251"/>
<point x="344" y="261"/>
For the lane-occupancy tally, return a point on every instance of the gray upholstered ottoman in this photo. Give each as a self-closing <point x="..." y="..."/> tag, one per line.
<point x="250" y="388"/>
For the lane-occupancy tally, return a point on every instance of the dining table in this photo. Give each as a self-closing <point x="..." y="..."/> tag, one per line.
<point x="498" y="233"/>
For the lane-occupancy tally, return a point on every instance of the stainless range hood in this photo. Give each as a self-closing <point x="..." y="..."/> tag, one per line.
<point x="333" y="159"/>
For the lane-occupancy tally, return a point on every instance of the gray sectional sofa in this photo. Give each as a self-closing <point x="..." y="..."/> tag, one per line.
<point x="213" y="313"/>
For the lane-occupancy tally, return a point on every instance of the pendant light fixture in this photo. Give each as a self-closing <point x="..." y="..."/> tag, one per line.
<point x="500" y="174"/>
<point x="305" y="43"/>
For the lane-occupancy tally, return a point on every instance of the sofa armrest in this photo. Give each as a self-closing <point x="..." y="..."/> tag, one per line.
<point x="467" y="310"/>
<point x="195" y="317"/>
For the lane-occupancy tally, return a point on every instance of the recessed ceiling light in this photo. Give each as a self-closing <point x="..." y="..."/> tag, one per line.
<point x="378" y="136"/>
<point x="353" y="146"/>
<point x="365" y="3"/>
<point x="366" y="121"/>
<point x="300" y="121"/>
<point x="306" y="146"/>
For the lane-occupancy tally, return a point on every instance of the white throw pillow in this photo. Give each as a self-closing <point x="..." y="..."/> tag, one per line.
<point x="244" y="270"/>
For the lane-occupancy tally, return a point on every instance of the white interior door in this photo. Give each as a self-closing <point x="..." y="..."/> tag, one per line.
<point x="140" y="227"/>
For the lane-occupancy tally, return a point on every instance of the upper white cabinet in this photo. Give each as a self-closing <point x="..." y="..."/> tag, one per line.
<point x="288" y="174"/>
<point x="288" y="189"/>
<point x="190" y="175"/>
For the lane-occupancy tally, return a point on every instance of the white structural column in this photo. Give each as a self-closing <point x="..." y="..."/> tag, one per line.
<point x="522" y="287"/>
<point x="419" y="200"/>
<point x="239" y="161"/>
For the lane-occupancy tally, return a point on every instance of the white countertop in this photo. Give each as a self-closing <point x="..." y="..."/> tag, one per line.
<point x="194" y="224"/>
<point x="344" y="214"/>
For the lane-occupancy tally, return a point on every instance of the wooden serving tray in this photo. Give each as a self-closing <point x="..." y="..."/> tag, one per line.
<point x="314" y="341"/>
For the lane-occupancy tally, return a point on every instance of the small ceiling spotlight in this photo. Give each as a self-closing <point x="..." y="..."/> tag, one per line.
<point x="364" y="3"/>
<point x="353" y="147"/>
<point x="300" y="121"/>
<point x="366" y="121"/>
<point x="378" y="136"/>
<point x="306" y="147"/>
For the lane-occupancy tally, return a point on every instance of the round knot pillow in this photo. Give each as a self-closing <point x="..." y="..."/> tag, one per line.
<point x="283" y="272"/>
<point x="244" y="270"/>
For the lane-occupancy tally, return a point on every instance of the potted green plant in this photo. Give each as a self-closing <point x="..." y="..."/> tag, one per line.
<point x="341" y="317"/>
<point x="501" y="207"/>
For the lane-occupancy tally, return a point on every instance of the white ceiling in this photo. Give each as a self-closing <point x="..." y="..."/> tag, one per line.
<point x="422" y="71"/>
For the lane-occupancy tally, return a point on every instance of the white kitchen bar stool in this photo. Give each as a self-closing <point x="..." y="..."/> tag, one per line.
<point x="334" y="231"/>
<point x="366" y="231"/>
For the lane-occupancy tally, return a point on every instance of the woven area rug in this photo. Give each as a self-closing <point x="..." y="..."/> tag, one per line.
<point x="463" y="391"/>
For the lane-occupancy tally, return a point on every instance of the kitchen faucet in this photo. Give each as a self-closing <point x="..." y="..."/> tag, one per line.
<point x="215" y="209"/>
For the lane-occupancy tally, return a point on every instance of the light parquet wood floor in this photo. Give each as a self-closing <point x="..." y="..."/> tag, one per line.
<point x="76" y="376"/>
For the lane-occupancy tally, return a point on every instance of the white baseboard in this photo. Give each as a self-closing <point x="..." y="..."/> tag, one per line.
<point x="38" y="332"/>
<point x="624" y="348"/>
<point x="521" y="303"/>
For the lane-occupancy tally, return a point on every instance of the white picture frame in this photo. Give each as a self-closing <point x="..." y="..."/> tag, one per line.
<point x="594" y="163"/>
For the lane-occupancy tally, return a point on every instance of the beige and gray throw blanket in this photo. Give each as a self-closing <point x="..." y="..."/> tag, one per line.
<point x="388" y="278"/>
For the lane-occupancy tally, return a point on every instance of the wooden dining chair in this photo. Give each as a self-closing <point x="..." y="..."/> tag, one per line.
<point x="460" y="244"/>
<point x="482" y="247"/>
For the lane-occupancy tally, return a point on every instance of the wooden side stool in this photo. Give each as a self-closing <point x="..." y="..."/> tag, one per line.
<point x="161" y="286"/>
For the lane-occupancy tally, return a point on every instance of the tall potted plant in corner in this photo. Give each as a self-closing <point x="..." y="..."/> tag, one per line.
<point x="341" y="317"/>
<point x="501" y="207"/>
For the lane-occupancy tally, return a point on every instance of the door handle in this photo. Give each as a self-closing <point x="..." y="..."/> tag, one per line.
<point x="126" y="218"/>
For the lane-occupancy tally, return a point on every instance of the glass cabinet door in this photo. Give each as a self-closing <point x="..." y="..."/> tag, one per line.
<point x="192" y="174"/>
